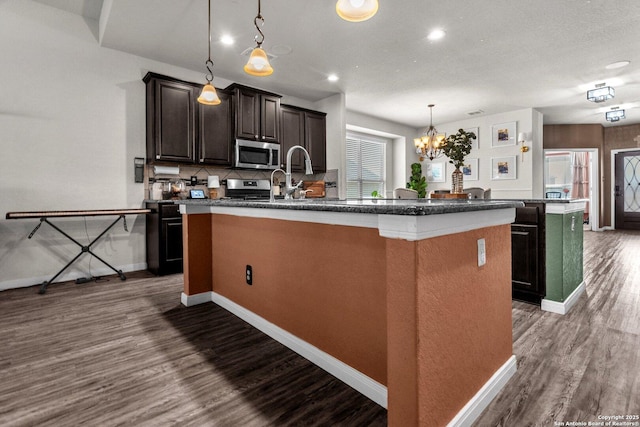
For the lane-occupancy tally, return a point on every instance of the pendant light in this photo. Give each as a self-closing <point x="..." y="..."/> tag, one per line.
<point x="208" y="96"/>
<point x="258" y="64"/>
<point x="356" y="10"/>
<point x="431" y="142"/>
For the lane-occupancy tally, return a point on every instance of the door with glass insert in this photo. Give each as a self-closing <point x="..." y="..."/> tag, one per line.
<point x="627" y="190"/>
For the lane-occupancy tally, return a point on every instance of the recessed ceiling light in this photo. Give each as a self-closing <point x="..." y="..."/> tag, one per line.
<point x="227" y="40"/>
<point x="333" y="78"/>
<point x="618" y="64"/>
<point x="436" y="35"/>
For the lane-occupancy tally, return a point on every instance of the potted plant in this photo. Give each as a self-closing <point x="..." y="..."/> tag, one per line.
<point x="456" y="148"/>
<point x="417" y="181"/>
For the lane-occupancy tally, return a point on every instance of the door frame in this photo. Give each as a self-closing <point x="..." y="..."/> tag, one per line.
<point x="594" y="181"/>
<point x="613" y="181"/>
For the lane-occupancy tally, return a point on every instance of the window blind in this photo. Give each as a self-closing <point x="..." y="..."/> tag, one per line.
<point x="365" y="165"/>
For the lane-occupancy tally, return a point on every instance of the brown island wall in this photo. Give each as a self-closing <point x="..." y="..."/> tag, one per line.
<point x="419" y="317"/>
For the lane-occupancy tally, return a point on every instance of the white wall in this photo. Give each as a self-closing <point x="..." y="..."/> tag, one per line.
<point x="528" y="182"/>
<point x="72" y="119"/>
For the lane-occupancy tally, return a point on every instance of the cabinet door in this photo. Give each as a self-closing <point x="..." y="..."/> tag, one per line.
<point x="174" y="120"/>
<point x="316" y="140"/>
<point x="524" y="258"/>
<point x="269" y="118"/>
<point x="216" y="132"/>
<point x="247" y="114"/>
<point x="171" y="256"/>
<point x="293" y="133"/>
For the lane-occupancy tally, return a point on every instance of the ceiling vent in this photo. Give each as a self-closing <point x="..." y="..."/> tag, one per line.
<point x="247" y="53"/>
<point x="475" y="113"/>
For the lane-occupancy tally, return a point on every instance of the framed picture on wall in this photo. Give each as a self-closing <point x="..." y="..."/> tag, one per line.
<point x="470" y="170"/>
<point x="503" y="167"/>
<point x="503" y="134"/>
<point x="435" y="172"/>
<point x="475" y="144"/>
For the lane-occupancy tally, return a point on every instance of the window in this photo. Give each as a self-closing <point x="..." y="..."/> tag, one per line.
<point x="366" y="158"/>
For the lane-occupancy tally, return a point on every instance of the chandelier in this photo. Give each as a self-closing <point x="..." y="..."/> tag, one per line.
<point x="431" y="142"/>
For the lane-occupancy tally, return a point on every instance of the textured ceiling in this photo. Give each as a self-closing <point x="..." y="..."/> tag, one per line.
<point x="497" y="55"/>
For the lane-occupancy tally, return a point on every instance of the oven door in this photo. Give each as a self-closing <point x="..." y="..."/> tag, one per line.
<point x="256" y="155"/>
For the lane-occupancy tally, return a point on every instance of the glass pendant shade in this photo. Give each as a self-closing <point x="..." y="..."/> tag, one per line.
<point x="208" y="96"/>
<point x="615" y="115"/>
<point x="258" y="64"/>
<point x="356" y="10"/>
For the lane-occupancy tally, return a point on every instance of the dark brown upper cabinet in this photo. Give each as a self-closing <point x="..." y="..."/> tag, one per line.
<point x="180" y="130"/>
<point x="215" y="140"/>
<point x="171" y="119"/>
<point x="257" y="114"/>
<point x="306" y="128"/>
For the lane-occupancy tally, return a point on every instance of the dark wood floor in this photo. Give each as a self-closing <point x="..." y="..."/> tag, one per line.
<point x="118" y="353"/>
<point x="586" y="363"/>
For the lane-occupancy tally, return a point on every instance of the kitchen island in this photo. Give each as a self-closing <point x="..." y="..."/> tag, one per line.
<point x="407" y="301"/>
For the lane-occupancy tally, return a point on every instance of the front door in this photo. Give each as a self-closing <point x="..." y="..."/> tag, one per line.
<point x="627" y="190"/>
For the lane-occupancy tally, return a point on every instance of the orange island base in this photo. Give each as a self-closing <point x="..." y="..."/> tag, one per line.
<point x="407" y="301"/>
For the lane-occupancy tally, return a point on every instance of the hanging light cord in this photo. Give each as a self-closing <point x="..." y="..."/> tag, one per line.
<point x="255" y="22"/>
<point x="209" y="62"/>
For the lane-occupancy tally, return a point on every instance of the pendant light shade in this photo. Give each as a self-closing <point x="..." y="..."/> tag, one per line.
<point x="356" y="10"/>
<point x="208" y="96"/>
<point x="258" y="64"/>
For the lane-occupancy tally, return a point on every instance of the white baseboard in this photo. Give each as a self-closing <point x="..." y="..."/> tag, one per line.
<point x="485" y="395"/>
<point x="69" y="275"/>
<point x="191" y="300"/>
<point x="563" y="307"/>
<point x="345" y="373"/>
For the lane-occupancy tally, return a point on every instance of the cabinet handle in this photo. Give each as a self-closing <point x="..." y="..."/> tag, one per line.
<point x="256" y="136"/>
<point x="264" y="137"/>
<point x="157" y="156"/>
<point x="201" y="160"/>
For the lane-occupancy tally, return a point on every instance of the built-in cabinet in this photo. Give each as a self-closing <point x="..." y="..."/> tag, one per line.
<point x="181" y="130"/>
<point x="528" y="253"/>
<point x="257" y="114"/>
<point x="308" y="129"/>
<point x="164" y="238"/>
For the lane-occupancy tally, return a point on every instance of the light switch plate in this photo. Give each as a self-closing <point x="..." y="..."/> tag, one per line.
<point x="482" y="253"/>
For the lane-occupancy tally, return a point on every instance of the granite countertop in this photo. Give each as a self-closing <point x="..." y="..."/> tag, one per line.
<point x="417" y="207"/>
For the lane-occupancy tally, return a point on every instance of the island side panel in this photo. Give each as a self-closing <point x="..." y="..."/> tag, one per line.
<point x="196" y="244"/>
<point x="462" y="322"/>
<point x="322" y="283"/>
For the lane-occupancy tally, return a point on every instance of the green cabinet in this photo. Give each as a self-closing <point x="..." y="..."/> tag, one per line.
<point x="564" y="253"/>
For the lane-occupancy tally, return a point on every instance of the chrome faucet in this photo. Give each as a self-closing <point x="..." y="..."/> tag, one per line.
<point x="272" y="197"/>
<point x="289" y="187"/>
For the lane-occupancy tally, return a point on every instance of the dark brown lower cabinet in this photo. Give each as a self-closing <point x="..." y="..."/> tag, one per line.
<point x="164" y="238"/>
<point x="528" y="254"/>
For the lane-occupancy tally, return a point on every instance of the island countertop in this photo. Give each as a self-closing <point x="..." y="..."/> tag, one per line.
<point x="413" y="207"/>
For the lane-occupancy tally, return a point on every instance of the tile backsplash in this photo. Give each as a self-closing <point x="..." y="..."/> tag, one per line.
<point x="187" y="171"/>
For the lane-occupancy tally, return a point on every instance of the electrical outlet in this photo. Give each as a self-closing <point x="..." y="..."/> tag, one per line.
<point x="482" y="253"/>
<point x="249" y="275"/>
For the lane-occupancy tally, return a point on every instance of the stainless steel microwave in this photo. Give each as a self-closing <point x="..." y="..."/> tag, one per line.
<point x="257" y="155"/>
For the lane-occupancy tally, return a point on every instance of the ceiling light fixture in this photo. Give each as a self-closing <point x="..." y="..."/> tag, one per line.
<point x="258" y="64"/>
<point x="208" y="96"/>
<point x="430" y="143"/>
<point x="332" y="78"/>
<point x="227" y="40"/>
<point x="601" y="93"/>
<point x="356" y="10"/>
<point x="618" y="64"/>
<point x="615" y="114"/>
<point x="436" y="35"/>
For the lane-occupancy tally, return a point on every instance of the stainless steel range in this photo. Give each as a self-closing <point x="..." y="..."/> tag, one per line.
<point x="248" y="189"/>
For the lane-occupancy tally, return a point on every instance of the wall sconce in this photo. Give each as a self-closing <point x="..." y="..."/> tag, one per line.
<point x="522" y="138"/>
